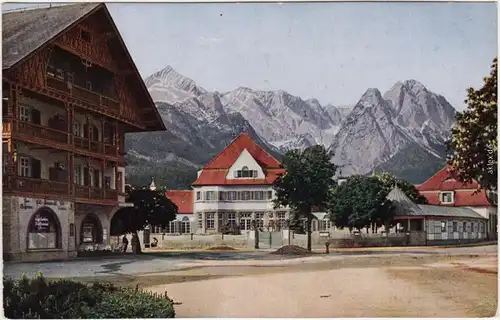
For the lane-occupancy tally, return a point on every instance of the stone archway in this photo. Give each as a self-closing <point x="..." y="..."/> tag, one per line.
<point x="44" y="230"/>
<point x="91" y="231"/>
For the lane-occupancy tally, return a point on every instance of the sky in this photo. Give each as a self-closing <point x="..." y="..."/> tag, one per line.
<point x="329" y="51"/>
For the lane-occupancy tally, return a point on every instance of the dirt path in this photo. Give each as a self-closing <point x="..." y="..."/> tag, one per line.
<point x="384" y="291"/>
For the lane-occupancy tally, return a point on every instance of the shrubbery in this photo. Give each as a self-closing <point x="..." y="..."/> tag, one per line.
<point x="39" y="298"/>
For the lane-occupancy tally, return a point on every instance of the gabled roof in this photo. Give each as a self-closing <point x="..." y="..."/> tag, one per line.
<point x="403" y="205"/>
<point x="226" y="158"/>
<point x="183" y="199"/>
<point x="444" y="180"/>
<point x="27" y="30"/>
<point x="462" y="198"/>
<point x="24" y="32"/>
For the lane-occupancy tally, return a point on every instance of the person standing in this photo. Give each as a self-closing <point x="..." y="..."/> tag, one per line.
<point x="125" y="243"/>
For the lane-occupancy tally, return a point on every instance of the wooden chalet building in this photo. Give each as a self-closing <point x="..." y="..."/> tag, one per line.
<point x="70" y="93"/>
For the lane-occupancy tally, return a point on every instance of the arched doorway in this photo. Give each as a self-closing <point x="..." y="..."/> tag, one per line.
<point x="91" y="229"/>
<point x="44" y="230"/>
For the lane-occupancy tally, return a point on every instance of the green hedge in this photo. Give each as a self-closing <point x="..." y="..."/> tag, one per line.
<point x="39" y="298"/>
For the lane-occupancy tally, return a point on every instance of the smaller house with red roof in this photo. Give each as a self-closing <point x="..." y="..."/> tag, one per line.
<point x="444" y="189"/>
<point x="234" y="188"/>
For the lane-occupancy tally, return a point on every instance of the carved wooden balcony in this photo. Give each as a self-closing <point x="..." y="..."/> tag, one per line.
<point x="12" y="183"/>
<point x="82" y="93"/>
<point x="38" y="186"/>
<point x="42" y="132"/>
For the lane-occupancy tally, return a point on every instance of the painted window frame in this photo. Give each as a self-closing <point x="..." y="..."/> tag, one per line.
<point x="24" y="170"/>
<point x="25" y="113"/>
<point x="443" y="193"/>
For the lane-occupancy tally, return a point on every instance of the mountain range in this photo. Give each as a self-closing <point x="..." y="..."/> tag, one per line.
<point x="401" y="131"/>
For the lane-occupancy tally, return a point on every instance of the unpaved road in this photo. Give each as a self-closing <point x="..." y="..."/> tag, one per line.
<point x="454" y="287"/>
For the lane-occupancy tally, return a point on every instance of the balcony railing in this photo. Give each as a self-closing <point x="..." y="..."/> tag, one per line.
<point x="82" y="93"/>
<point x="43" y="132"/>
<point x="42" y="186"/>
<point x="24" y="184"/>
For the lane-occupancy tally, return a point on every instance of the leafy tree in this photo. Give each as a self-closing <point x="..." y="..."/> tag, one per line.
<point x="360" y="202"/>
<point x="306" y="184"/>
<point x="473" y="145"/>
<point x="150" y="208"/>
<point x="389" y="181"/>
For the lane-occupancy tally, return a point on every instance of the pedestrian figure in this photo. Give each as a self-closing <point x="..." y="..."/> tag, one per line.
<point x="135" y="243"/>
<point x="125" y="243"/>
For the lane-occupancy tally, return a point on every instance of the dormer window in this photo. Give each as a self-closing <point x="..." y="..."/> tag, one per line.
<point x="246" y="173"/>
<point x="446" y="197"/>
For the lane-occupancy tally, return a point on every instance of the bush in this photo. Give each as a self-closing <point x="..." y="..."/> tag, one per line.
<point x="39" y="298"/>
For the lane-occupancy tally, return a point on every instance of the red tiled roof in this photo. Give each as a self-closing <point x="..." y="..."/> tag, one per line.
<point x="463" y="198"/>
<point x="444" y="180"/>
<point x="183" y="199"/>
<point x="226" y="158"/>
<point x="217" y="177"/>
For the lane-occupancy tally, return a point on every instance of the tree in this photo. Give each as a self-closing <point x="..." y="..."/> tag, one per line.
<point x="150" y="208"/>
<point x="473" y="145"/>
<point x="306" y="183"/>
<point x="389" y="181"/>
<point x="360" y="202"/>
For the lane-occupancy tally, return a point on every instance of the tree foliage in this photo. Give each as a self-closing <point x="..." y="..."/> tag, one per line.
<point x="306" y="184"/>
<point x="389" y="181"/>
<point x="473" y="145"/>
<point x="149" y="208"/>
<point x="360" y="202"/>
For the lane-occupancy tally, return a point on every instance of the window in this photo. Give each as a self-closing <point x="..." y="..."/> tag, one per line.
<point x="258" y="195"/>
<point x="455" y="226"/>
<point x="443" y="226"/>
<point x="78" y="175"/>
<point x="259" y="218"/>
<point x="482" y="227"/>
<point x="222" y="195"/>
<point x="24" y="167"/>
<point x="231" y="218"/>
<point x="185" y="225"/>
<point x="85" y="36"/>
<point x="231" y="195"/>
<point x="71" y="229"/>
<point x="464" y="227"/>
<point x="269" y="195"/>
<point x="198" y="195"/>
<point x="210" y="223"/>
<point x="25" y="113"/>
<point x="246" y="173"/>
<point x="324" y="225"/>
<point x="209" y="195"/>
<point x="246" y="221"/>
<point x="107" y="182"/>
<point x="281" y="216"/>
<point x="76" y="128"/>
<point x="43" y="231"/>
<point x="200" y="220"/>
<point x="245" y="195"/>
<point x="446" y="197"/>
<point x="96" y="183"/>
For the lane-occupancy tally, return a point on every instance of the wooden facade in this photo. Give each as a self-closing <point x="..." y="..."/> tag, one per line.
<point x="66" y="108"/>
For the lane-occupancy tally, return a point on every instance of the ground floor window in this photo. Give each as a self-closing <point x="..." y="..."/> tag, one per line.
<point x="245" y="221"/>
<point x="443" y="226"/>
<point x="199" y="217"/>
<point x="281" y="219"/>
<point x="43" y="231"/>
<point x="324" y="225"/>
<point x="231" y="218"/>
<point x="259" y="219"/>
<point x="210" y="220"/>
<point x="185" y="225"/>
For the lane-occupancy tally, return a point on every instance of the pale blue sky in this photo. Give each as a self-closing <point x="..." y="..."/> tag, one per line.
<point x="329" y="51"/>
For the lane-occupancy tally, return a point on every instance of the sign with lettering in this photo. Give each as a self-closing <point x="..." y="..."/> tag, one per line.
<point x="41" y="223"/>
